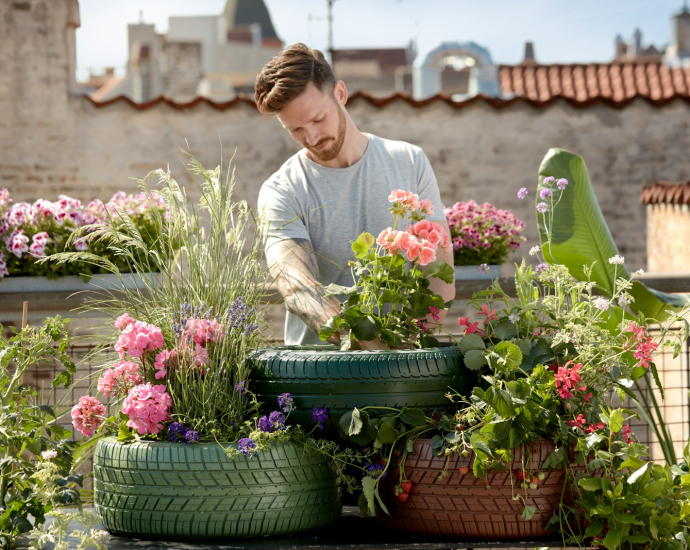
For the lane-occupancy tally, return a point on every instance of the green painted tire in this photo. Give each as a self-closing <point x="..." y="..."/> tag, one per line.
<point x="171" y="490"/>
<point x="342" y="380"/>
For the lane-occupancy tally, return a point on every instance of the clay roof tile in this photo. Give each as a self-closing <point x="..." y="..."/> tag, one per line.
<point x="665" y="192"/>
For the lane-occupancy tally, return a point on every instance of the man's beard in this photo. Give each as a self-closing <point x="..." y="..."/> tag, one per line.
<point x="331" y="152"/>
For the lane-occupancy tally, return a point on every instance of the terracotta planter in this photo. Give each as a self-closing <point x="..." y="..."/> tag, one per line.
<point x="461" y="506"/>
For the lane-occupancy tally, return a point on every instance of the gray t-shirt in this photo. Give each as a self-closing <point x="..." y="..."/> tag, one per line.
<point x="330" y="207"/>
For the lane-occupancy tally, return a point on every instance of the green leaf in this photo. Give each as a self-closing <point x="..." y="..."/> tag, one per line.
<point x="580" y="235"/>
<point x="612" y="539"/>
<point x="441" y="270"/>
<point x="387" y="430"/>
<point x="653" y="489"/>
<point x="505" y="330"/>
<point x="366" y="328"/>
<point x="633" y="463"/>
<point x="437" y="445"/>
<point x="471" y="342"/>
<point x="509" y="356"/>
<point x="474" y="359"/>
<point x="48" y="410"/>
<point x="339" y="290"/>
<point x="330" y="328"/>
<point x="362" y="245"/>
<point x="368" y="490"/>
<point x="479" y="444"/>
<point x="387" y="296"/>
<point x="413" y="417"/>
<point x="637" y="474"/>
<point x="528" y="513"/>
<point x="362" y="504"/>
<point x="594" y="529"/>
<point x="590" y="483"/>
<point x="350" y="422"/>
<point x="637" y="538"/>
<point x="392" y="338"/>
<point x="616" y="422"/>
<point x="652" y="527"/>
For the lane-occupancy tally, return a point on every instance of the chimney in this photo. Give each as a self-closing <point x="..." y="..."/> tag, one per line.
<point x="529" y="54"/>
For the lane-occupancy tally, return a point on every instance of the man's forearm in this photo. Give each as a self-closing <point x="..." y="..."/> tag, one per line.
<point x="293" y="263"/>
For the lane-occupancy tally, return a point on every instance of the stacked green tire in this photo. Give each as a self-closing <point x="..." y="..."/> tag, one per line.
<point x="342" y="380"/>
<point x="171" y="490"/>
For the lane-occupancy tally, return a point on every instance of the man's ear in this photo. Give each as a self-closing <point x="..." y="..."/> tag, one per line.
<point x="340" y="92"/>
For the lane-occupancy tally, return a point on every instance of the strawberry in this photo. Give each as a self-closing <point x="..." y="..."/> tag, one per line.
<point x="541" y="476"/>
<point x="463" y="470"/>
<point x="520" y="475"/>
<point x="397" y="453"/>
<point x="406" y="486"/>
<point x="382" y="462"/>
<point x="402" y="497"/>
<point x="535" y="479"/>
<point x="533" y="485"/>
<point x="458" y="428"/>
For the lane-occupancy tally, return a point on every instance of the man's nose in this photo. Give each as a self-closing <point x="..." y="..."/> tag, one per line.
<point x="312" y="136"/>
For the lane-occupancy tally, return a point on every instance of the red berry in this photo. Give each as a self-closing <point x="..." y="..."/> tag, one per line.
<point x="406" y="486"/>
<point x="463" y="470"/>
<point x="402" y="497"/>
<point x="520" y="475"/>
<point x="382" y="462"/>
<point x="459" y="428"/>
<point x="396" y="453"/>
<point x="535" y="479"/>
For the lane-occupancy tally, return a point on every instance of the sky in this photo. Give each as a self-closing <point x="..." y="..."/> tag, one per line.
<point x="561" y="30"/>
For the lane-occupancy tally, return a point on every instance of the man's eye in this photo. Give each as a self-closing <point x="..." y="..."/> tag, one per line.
<point x="320" y="119"/>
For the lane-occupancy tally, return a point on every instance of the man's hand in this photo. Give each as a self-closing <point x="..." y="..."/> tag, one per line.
<point x="292" y="264"/>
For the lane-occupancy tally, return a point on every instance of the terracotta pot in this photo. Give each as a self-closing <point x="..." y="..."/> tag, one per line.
<point x="461" y="506"/>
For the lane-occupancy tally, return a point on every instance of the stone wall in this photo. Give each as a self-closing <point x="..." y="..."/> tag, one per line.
<point x="668" y="229"/>
<point x="52" y="142"/>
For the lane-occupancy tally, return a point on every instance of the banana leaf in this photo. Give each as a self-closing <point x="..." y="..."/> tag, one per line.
<point x="580" y="236"/>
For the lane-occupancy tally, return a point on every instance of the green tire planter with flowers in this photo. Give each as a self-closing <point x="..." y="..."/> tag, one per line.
<point x="161" y="489"/>
<point x="342" y="380"/>
<point x="194" y="457"/>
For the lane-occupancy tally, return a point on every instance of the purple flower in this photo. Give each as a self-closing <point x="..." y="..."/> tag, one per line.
<point x="239" y="388"/>
<point x="375" y="470"/>
<point x="285" y="401"/>
<point x="319" y="415"/>
<point x="246" y="446"/>
<point x="542" y="267"/>
<point x="264" y="424"/>
<point x="549" y="180"/>
<point x="277" y="420"/>
<point x="484" y="268"/>
<point x="544" y="193"/>
<point x="542" y="207"/>
<point x="522" y="193"/>
<point x="177" y="432"/>
<point x="562" y="184"/>
<point x="191" y="436"/>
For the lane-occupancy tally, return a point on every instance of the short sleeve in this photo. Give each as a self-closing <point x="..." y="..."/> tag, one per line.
<point x="280" y="206"/>
<point x="427" y="186"/>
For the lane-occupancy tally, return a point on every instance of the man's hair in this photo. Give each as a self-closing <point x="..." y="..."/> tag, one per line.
<point x="288" y="74"/>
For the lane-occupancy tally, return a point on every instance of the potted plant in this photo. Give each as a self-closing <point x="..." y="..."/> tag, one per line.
<point x="29" y="233"/>
<point x="390" y="301"/>
<point x="482" y="237"/>
<point x="514" y="455"/>
<point x="188" y="455"/>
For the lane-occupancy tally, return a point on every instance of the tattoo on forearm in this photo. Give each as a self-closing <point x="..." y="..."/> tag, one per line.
<point x="294" y="266"/>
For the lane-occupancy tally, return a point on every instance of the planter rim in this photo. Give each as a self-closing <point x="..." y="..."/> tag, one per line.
<point x="98" y="281"/>
<point x="179" y="445"/>
<point x="335" y="351"/>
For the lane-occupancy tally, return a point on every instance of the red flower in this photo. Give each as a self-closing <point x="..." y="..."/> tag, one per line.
<point x="434" y="313"/>
<point x="488" y="314"/>
<point x="579" y="422"/>
<point x="465" y="322"/>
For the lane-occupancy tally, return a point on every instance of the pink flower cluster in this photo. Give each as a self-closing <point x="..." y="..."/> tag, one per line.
<point x="87" y="415"/>
<point x="203" y="331"/>
<point x="147" y="407"/>
<point x="482" y="233"/>
<point x="120" y="379"/>
<point x="420" y="240"/>
<point x="644" y="345"/>
<point x="26" y="229"/>
<point x="138" y="337"/>
<point x="567" y="379"/>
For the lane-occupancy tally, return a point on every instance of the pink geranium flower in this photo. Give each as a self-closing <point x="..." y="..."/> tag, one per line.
<point x="120" y="379"/>
<point x="87" y="415"/>
<point x="148" y="407"/>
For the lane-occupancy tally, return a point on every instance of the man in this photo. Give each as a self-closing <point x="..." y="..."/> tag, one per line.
<point x="331" y="191"/>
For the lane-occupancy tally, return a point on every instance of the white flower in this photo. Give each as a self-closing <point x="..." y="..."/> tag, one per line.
<point x="514" y="318"/>
<point x="534" y="250"/>
<point x="639" y="272"/>
<point x="47" y="455"/>
<point x="484" y="268"/>
<point x="601" y="303"/>
<point x="617" y="260"/>
<point x="624" y="301"/>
